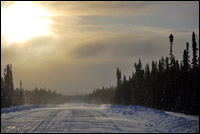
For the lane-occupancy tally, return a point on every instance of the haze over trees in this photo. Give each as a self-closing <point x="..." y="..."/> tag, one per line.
<point x="167" y="84"/>
<point x="15" y="97"/>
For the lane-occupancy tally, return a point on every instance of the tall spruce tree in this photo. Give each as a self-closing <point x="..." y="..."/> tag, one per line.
<point x="118" y="88"/>
<point x="186" y="94"/>
<point x="186" y="60"/>
<point x="147" y="78"/>
<point x="2" y="93"/>
<point x="194" y="101"/>
<point x="194" y="50"/>
<point x="171" y="39"/>
<point x="8" y="86"/>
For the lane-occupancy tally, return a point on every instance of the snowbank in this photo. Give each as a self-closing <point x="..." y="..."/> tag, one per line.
<point x="172" y="122"/>
<point x="20" y="108"/>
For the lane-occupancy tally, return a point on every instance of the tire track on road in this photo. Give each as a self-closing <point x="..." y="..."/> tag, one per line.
<point x="45" y="122"/>
<point x="111" y="125"/>
<point x="19" y="115"/>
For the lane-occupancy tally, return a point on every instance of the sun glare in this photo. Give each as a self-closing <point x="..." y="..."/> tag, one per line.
<point x="23" y="21"/>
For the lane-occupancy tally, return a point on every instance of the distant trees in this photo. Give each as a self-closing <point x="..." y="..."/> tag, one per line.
<point x="43" y="96"/>
<point x="19" y="96"/>
<point x="101" y="96"/>
<point x="16" y="97"/>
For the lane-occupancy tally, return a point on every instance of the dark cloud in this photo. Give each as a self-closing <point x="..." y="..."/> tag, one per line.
<point x="119" y="47"/>
<point x="185" y="31"/>
<point x="94" y="49"/>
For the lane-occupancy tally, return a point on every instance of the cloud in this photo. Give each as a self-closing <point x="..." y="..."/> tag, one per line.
<point x="34" y="51"/>
<point x="120" y="46"/>
<point x="183" y="31"/>
<point x="94" y="8"/>
<point x="111" y="8"/>
<point x="91" y="39"/>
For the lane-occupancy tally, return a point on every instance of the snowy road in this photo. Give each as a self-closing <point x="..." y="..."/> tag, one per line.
<point x="86" y="118"/>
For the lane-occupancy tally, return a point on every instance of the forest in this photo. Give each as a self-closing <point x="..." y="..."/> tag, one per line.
<point x="167" y="84"/>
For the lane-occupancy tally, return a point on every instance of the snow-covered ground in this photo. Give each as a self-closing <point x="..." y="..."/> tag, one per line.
<point x="87" y="118"/>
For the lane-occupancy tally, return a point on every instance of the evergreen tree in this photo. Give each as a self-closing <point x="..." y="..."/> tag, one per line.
<point x="161" y="81"/>
<point x="1" y="83"/>
<point x="172" y="89"/>
<point x="186" y="61"/>
<point x="154" y="85"/>
<point x="118" y="89"/>
<point x="171" y="39"/>
<point x="139" y="87"/>
<point x="20" y="95"/>
<point x="124" y="91"/>
<point x="147" y="78"/>
<point x="2" y="93"/>
<point x="194" y="104"/>
<point x="133" y="89"/>
<point x="194" y="50"/>
<point x="185" y="93"/>
<point x="8" y="86"/>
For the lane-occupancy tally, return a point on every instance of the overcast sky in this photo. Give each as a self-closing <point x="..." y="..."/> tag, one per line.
<point x="74" y="47"/>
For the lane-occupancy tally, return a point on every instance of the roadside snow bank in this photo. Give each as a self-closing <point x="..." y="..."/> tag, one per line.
<point x="135" y="110"/>
<point x="164" y="121"/>
<point x="20" y="108"/>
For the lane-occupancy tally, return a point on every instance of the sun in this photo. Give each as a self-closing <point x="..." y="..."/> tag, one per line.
<point x="23" y="21"/>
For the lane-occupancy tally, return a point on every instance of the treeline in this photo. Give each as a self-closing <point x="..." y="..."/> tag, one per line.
<point x="19" y="96"/>
<point x="101" y="96"/>
<point x="43" y="97"/>
<point x="167" y="84"/>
